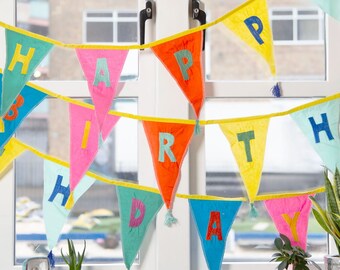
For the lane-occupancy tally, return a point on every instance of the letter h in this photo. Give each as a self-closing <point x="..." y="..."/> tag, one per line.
<point x="58" y="188"/>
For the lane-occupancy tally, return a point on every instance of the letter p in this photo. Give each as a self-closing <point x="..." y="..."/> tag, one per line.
<point x="255" y="32"/>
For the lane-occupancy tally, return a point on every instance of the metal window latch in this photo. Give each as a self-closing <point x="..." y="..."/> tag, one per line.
<point x="200" y="15"/>
<point x="144" y="15"/>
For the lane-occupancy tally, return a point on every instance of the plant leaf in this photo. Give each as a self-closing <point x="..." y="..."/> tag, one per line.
<point x="278" y="243"/>
<point x="283" y="265"/>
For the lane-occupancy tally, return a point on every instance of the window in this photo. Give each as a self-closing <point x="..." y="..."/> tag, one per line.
<point x="297" y="26"/>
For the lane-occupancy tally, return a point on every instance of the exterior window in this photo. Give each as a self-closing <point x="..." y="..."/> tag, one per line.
<point x="297" y="26"/>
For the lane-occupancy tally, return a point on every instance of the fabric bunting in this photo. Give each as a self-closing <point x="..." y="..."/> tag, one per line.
<point x="248" y="142"/>
<point x="331" y="7"/>
<point x="183" y="59"/>
<point x="291" y="216"/>
<point x="23" y="55"/>
<point x="84" y="140"/>
<point x="25" y="102"/>
<point x="11" y="151"/>
<point x="213" y="221"/>
<point x="102" y="69"/>
<point x="320" y="124"/>
<point x="168" y="144"/>
<point x="56" y="194"/>
<point x="138" y="209"/>
<point x="250" y="22"/>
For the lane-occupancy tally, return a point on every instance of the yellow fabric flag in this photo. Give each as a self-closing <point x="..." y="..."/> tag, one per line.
<point x="251" y="23"/>
<point x="11" y="150"/>
<point x="248" y="142"/>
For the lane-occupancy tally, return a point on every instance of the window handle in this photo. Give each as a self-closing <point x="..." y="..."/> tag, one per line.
<point x="144" y="15"/>
<point x="200" y="15"/>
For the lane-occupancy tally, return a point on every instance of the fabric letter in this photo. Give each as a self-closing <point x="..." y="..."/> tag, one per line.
<point x="255" y="32"/>
<point x="323" y="126"/>
<point x="13" y="111"/>
<point x="137" y="209"/>
<point x="102" y="73"/>
<point x="292" y="224"/>
<point x="215" y="218"/>
<point x="184" y="60"/>
<point x="246" y="137"/>
<point x="166" y="140"/>
<point x="86" y="134"/>
<point x="24" y="59"/>
<point x="58" y="188"/>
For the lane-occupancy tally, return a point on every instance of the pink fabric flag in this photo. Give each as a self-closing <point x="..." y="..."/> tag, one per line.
<point x="291" y="216"/>
<point x="102" y="69"/>
<point x="84" y="140"/>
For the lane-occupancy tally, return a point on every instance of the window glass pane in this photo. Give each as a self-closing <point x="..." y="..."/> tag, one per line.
<point x="95" y="216"/>
<point x="127" y="32"/>
<point x="286" y="169"/>
<point x="229" y="58"/>
<point x="283" y="30"/>
<point x="77" y="23"/>
<point x="308" y="30"/>
<point x="104" y="35"/>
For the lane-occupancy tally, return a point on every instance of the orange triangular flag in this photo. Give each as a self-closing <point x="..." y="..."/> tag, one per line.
<point x="182" y="58"/>
<point x="168" y="144"/>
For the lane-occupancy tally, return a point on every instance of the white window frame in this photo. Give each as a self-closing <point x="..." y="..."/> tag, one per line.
<point x="295" y="17"/>
<point x="167" y="248"/>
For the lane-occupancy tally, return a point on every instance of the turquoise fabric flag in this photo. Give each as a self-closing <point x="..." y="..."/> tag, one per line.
<point x="56" y="193"/>
<point x="25" y="102"/>
<point x="23" y="55"/>
<point x="137" y="209"/>
<point x="320" y="123"/>
<point x="331" y="7"/>
<point x="213" y="221"/>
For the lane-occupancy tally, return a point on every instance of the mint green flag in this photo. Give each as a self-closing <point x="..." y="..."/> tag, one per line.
<point x="331" y="7"/>
<point x="320" y="123"/>
<point x="56" y="193"/>
<point x="23" y="55"/>
<point x="137" y="209"/>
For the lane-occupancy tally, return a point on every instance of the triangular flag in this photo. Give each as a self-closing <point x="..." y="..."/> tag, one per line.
<point x="248" y="143"/>
<point x="11" y="150"/>
<point x="84" y="140"/>
<point x="291" y="216"/>
<point x="182" y="58"/>
<point x="25" y="102"/>
<point x="250" y="22"/>
<point x="168" y="144"/>
<point x="138" y="209"/>
<point x="320" y="124"/>
<point x="331" y="7"/>
<point x="213" y="221"/>
<point x="102" y="69"/>
<point x="23" y="55"/>
<point x="56" y="194"/>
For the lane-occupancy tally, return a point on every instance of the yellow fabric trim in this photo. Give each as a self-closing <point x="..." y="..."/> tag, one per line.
<point x="125" y="183"/>
<point x="127" y="47"/>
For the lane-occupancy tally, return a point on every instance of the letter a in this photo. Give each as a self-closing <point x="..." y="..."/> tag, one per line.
<point x="102" y="72"/>
<point x="184" y="60"/>
<point x="165" y="146"/>
<point x="137" y="206"/>
<point x="215" y="218"/>
<point x="255" y="32"/>
<point x="24" y="59"/>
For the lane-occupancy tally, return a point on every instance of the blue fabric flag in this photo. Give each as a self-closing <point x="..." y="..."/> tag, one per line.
<point x="56" y="193"/>
<point x="26" y="101"/>
<point x="213" y="221"/>
<point x="320" y="124"/>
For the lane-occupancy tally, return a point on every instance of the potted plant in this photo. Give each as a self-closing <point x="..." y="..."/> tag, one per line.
<point x="329" y="219"/>
<point x="291" y="257"/>
<point x="73" y="259"/>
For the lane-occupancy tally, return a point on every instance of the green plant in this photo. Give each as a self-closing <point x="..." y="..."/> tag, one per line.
<point x="329" y="219"/>
<point x="72" y="259"/>
<point x="289" y="255"/>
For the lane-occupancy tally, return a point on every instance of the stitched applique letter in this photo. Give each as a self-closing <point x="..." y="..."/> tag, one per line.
<point x="137" y="213"/>
<point x="166" y="140"/>
<point x="246" y="137"/>
<point x="58" y="188"/>
<point x="323" y="126"/>
<point x="102" y="72"/>
<point x="292" y="222"/>
<point x="215" y="219"/>
<point x="23" y="59"/>
<point x="184" y="60"/>
<point x="255" y="32"/>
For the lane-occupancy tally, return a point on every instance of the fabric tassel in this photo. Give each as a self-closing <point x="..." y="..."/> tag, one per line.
<point x="276" y="90"/>
<point x="51" y="259"/>
<point x="70" y="202"/>
<point x="253" y="212"/>
<point x="197" y="127"/>
<point x="169" y="218"/>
